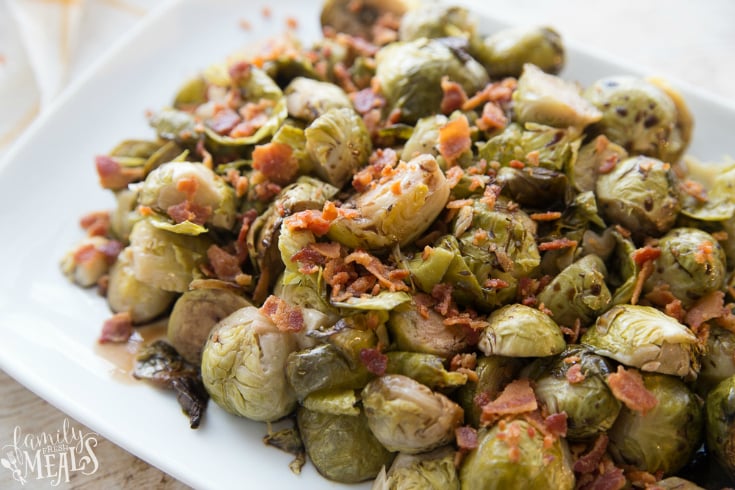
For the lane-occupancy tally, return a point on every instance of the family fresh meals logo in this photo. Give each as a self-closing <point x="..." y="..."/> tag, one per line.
<point x="50" y="456"/>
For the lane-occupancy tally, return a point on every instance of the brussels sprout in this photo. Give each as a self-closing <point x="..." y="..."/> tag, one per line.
<point x="644" y="337"/>
<point x="665" y="438"/>
<point x="322" y="368"/>
<point x="551" y="100"/>
<point x="506" y="52"/>
<point x="407" y="416"/>
<point x="692" y="264"/>
<point x="518" y="330"/>
<point x="493" y="374"/>
<point x="126" y="293"/>
<point x="166" y="260"/>
<point x="535" y="187"/>
<point x="720" y="426"/>
<point x="359" y="19"/>
<point x="425" y="137"/>
<point x="639" y="116"/>
<point x="294" y="137"/>
<point x="244" y="366"/>
<point x="335" y="402"/>
<point x="720" y="202"/>
<point x="427" y="369"/>
<point x="125" y="214"/>
<point x="410" y="74"/>
<point x="387" y="216"/>
<point x="342" y="447"/>
<point x="179" y="126"/>
<point x="514" y="454"/>
<point x="600" y="153"/>
<point x="412" y="331"/>
<point x="590" y="406"/>
<point x="553" y="148"/>
<point x="676" y="483"/>
<point x="434" y="470"/>
<point x="640" y="193"/>
<point x="177" y="183"/>
<point x="578" y="292"/>
<point x="435" y="20"/>
<point x="718" y="362"/>
<point x="308" y="99"/>
<point x="194" y="315"/>
<point x="88" y="261"/>
<point x="338" y="144"/>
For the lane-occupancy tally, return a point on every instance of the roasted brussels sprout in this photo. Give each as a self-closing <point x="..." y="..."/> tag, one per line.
<point x="598" y="155"/>
<point x="407" y="416"/>
<point x="410" y="75"/>
<point x="244" y="366"/>
<point x="547" y="99"/>
<point x="425" y="137"/>
<point x="536" y="187"/>
<point x="126" y="293"/>
<point x="640" y="193"/>
<point x="664" y="438"/>
<point x="342" y="447"/>
<point x="125" y="214"/>
<point x="415" y="332"/>
<point x="323" y="368"/>
<point x="514" y="454"/>
<point x="339" y="144"/>
<point x="644" y="337"/>
<point x="718" y="362"/>
<point x="396" y="210"/>
<point x="578" y="292"/>
<point x="692" y="264"/>
<point x="434" y="470"/>
<point x="308" y="99"/>
<point x="720" y="423"/>
<point x="194" y="315"/>
<point x="427" y="369"/>
<point x="639" y="116"/>
<point x="436" y="20"/>
<point x="504" y="53"/>
<point x="521" y="331"/>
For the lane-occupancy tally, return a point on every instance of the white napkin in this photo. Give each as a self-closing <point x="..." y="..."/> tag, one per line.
<point x="46" y="44"/>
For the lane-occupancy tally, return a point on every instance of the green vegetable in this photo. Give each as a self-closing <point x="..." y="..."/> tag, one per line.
<point x="521" y="331"/>
<point x="505" y="52"/>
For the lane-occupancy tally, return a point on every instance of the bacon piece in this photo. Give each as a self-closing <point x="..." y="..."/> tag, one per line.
<point x="453" y="97"/>
<point x="117" y="329"/>
<point x="492" y="117"/>
<point x="442" y="293"/>
<point x="611" y="478"/>
<point x="276" y="162"/>
<point x="466" y="438"/>
<point x="96" y="223"/>
<point x="557" y="244"/>
<point x="589" y="462"/>
<point x="309" y="219"/>
<point x="516" y="398"/>
<point x="709" y="306"/>
<point x="224" y="121"/>
<point x="189" y="211"/>
<point x="645" y="254"/>
<point x="555" y="425"/>
<point x="694" y="189"/>
<point x="114" y="176"/>
<point x="574" y="374"/>
<point x="286" y="317"/>
<point x="627" y="386"/>
<point x="225" y="265"/>
<point x="640" y="281"/>
<point x="547" y="216"/>
<point x="366" y="99"/>
<point x="375" y="361"/>
<point x="454" y="139"/>
<point x="493" y="92"/>
<point x="376" y="268"/>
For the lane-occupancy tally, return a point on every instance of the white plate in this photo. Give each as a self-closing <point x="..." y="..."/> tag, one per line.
<point x="48" y="328"/>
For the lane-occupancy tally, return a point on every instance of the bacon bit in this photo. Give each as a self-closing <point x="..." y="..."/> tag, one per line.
<point x="292" y="23"/>
<point x="189" y="211"/>
<point x="705" y="252"/>
<point x="442" y="293"/>
<point x="610" y="477"/>
<point x="640" y="280"/>
<point x="589" y="462"/>
<point x="573" y="333"/>
<point x="516" y="398"/>
<point x="366" y="99"/>
<point x="547" y="216"/>
<point x="675" y="310"/>
<point x="624" y="232"/>
<point x="224" y="121"/>
<point x="466" y="361"/>
<point x="694" y="189"/>
<point x="276" y="162"/>
<point x="454" y="175"/>
<point x="117" y="329"/>
<point x="543" y="309"/>
<point x="225" y="265"/>
<point x="608" y="164"/>
<point x="490" y="196"/>
<point x="492" y="118"/>
<point x="395" y="188"/>
<point x="500" y="92"/>
<point x="309" y="219"/>
<point x="114" y="176"/>
<point x="575" y="375"/>
<point x="517" y="164"/>
<point x="466" y="437"/>
<point x="645" y="254"/>
<point x="287" y="318"/>
<point x="556" y="425"/>
<point x="641" y="479"/>
<point x="241" y="243"/>
<point x="459" y="203"/>
<point x="376" y="268"/>
<point x="145" y="211"/>
<point x="238" y="182"/>
<point x="557" y="244"/>
<point x="494" y="283"/>
<point x="453" y="97"/>
<point x="96" y="223"/>
<point x="343" y="78"/>
<point x="330" y="250"/>
<point x="627" y="386"/>
<point x="454" y="139"/>
<point x="709" y="306"/>
<point x="266" y="12"/>
<point x="375" y="361"/>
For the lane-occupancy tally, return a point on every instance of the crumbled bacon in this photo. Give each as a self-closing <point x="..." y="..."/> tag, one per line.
<point x="442" y="293"/>
<point x="376" y="268"/>
<point x="117" y="329"/>
<point x="709" y="306"/>
<point x="454" y="139"/>
<point x="375" y="361"/>
<point x="467" y="360"/>
<point x="574" y="374"/>
<point x="466" y="437"/>
<point x="287" y="318"/>
<point x="640" y="281"/>
<point x="590" y="461"/>
<point x="555" y="425"/>
<point x="189" y="211"/>
<point x="96" y="223"/>
<point x="114" y="176"/>
<point x="453" y="96"/>
<point x="644" y="254"/>
<point x="224" y="121"/>
<point x="309" y="219"/>
<point x="547" y="216"/>
<point x="276" y="162"/>
<point x="500" y="92"/>
<point x="225" y="265"/>
<point x="557" y="244"/>
<point x="627" y="386"/>
<point x="694" y="189"/>
<point x="366" y="99"/>
<point x="492" y="117"/>
<point x="516" y="398"/>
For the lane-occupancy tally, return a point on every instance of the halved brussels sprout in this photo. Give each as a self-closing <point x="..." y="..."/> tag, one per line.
<point x="515" y="454"/>
<point x="518" y="330"/>
<point x="665" y="438"/>
<point x="600" y="153"/>
<point x="322" y="368"/>
<point x="720" y="420"/>
<point x="639" y="116"/>
<point x="125" y="292"/>
<point x="244" y="366"/>
<point x="308" y="99"/>
<point x="435" y="20"/>
<point x="718" y="361"/>
<point x="425" y="137"/>
<point x="427" y="369"/>
<point x="641" y="194"/>
<point x="194" y="315"/>
<point x="407" y="416"/>
<point x="535" y="187"/>
<point x="434" y="470"/>
<point x="342" y="447"/>
<point x="644" y="337"/>
<point x="397" y="209"/>
<point x="338" y="144"/>
<point x="410" y="75"/>
<point x="505" y="52"/>
<point x="412" y="331"/>
<point x="547" y="99"/>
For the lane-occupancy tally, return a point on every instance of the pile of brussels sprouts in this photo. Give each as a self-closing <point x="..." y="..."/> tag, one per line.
<point x="554" y="249"/>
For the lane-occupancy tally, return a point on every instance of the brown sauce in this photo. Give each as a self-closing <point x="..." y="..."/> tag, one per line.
<point x="122" y="356"/>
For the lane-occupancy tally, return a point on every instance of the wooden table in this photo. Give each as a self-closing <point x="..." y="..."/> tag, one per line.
<point x="692" y="41"/>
